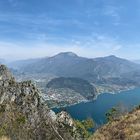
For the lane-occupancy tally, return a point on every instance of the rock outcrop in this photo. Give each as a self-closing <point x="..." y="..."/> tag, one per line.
<point x="23" y="115"/>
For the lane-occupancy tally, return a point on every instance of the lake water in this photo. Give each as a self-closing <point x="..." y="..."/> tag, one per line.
<point x="98" y="108"/>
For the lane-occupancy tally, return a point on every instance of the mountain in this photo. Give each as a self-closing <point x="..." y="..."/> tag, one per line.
<point x="2" y="61"/>
<point x="64" y="91"/>
<point x="108" y="74"/>
<point x="62" y="64"/>
<point x="136" y="61"/>
<point x="78" y="85"/>
<point x="24" y="116"/>
<point x="69" y="64"/>
<point x="21" y="63"/>
<point x="125" y="128"/>
<point x="114" y="66"/>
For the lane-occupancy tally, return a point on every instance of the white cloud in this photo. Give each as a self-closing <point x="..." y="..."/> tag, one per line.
<point x="88" y="47"/>
<point x="117" y="47"/>
<point x="113" y="11"/>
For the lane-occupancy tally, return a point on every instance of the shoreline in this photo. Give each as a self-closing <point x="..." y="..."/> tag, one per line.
<point x="95" y="98"/>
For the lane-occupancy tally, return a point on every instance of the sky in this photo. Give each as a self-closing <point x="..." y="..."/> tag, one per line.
<point x="90" y="28"/>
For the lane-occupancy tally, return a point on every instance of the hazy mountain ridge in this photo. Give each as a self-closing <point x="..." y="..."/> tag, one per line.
<point x="70" y="65"/>
<point x="136" y="61"/>
<point x="19" y="64"/>
<point x="117" y="65"/>
<point x="103" y="70"/>
<point x="2" y="61"/>
<point x="108" y="74"/>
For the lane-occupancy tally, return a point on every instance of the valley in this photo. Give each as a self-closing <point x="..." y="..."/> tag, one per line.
<point x="97" y="109"/>
<point x="105" y="75"/>
<point x="69" y="69"/>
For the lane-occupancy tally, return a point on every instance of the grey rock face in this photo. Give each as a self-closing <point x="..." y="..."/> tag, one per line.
<point x="64" y="118"/>
<point x="24" y="99"/>
<point x="5" y="73"/>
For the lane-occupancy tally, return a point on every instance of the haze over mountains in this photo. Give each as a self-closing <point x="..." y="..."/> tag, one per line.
<point x="70" y="65"/>
<point x="2" y="60"/>
<point x="22" y="101"/>
<point x="136" y="61"/>
<point x="106" y="74"/>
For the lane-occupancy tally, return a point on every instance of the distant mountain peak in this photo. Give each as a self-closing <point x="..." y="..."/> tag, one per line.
<point x="63" y="54"/>
<point x="112" y="56"/>
<point x="115" y="58"/>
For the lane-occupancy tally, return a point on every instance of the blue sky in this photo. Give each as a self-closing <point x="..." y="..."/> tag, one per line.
<point x="90" y="28"/>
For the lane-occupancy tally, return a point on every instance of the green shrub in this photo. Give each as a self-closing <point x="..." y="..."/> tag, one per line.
<point x="83" y="127"/>
<point x="2" y="108"/>
<point x="3" y="130"/>
<point x="111" y="114"/>
<point x="21" y="119"/>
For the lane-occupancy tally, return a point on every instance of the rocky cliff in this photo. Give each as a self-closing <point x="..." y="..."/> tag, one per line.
<point x="23" y="116"/>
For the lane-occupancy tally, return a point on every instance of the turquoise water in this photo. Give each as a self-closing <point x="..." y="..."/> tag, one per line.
<point x="98" y="108"/>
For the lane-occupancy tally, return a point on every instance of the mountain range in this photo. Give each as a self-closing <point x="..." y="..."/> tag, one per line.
<point x="69" y="64"/>
<point x="136" y="61"/>
<point x="23" y="114"/>
<point x="106" y="74"/>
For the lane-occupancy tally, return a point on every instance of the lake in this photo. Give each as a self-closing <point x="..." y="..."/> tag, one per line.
<point x="97" y="109"/>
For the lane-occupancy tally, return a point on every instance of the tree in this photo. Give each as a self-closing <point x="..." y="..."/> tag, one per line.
<point x="111" y="114"/>
<point x="116" y="112"/>
<point x="83" y="127"/>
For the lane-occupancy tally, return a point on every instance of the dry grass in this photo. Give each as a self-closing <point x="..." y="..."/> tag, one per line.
<point x="4" y="138"/>
<point x="127" y="128"/>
